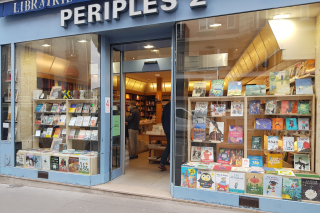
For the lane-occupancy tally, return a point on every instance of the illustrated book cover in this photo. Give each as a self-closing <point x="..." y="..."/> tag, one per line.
<point x="277" y="123"/>
<point x="207" y="154"/>
<point x="273" y="142"/>
<point x="74" y="164"/>
<point x="224" y="156"/>
<point x="45" y="162"/>
<point x="63" y="164"/>
<point x="218" y="109"/>
<point x="20" y="159"/>
<point x="271" y="107"/>
<point x="237" y="182"/>
<point x="289" y="107"/>
<point x="84" y="165"/>
<point x="254" y="183"/>
<point x="310" y="189"/>
<point x="254" y="107"/>
<point x="255" y="161"/>
<point x="279" y="83"/>
<point x="216" y="131"/>
<point x="79" y="107"/>
<point x="199" y="132"/>
<point x="206" y="180"/>
<point x="302" y="162"/>
<point x="255" y="90"/>
<point x="199" y="89"/>
<point x="303" y="123"/>
<point x="262" y="123"/>
<point x="216" y="88"/>
<point x="291" y="189"/>
<point x="274" y="160"/>
<point x="234" y="88"/>
<point x="236" y="108"/>
<point x="222" y="181"/>
<point x="235" y="134"/>
<point x="291" y="124"/>
<point x="54" y="163"/>
<point x="288" y="143"/>
<point x="195" y="153"/>
<point x="188" y="177"/>
<point x="201" y="109"/>
<point x="304" y="86"/>
<point x="303" y="144"/>
<point x="272" y="186"/>
<point x="236" y="157"/>
<point x="256" y="142"/>
<point x="303" y="107"/>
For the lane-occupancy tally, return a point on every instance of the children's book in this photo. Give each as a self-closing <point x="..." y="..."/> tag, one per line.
<point x="57" y="132"/>
<point x="63" y="107"/>
<point x="188" y="177"/>
<point x="268" y="170"/>
<point x="201" y="109"/>
<point x="195" y="153"/>
<point x="74" y="164"/>
<point x="277" y="123"/>
<point x="49" y="132"/>
<point x="254" y="183"/>
<point x="254" y="107"/>
<point x="218" y="109"/>
<point x="204" y="166"/>
<point x="303" y="123"/>
<point x="310" y="189"/>
<point x="262" y="123"/>
<point x="54" y="163"/>
<point x="206" y="180"/>
<point x="222" y="182"/>
<point x="304" y="86"/>
<point x="72" y="108"/>
<point x="224" y="156"/>
<point x="199" y="132"/>
<point x="235" y="134"/>
<point x="72" y="121"/>
<point x="79" y="107"/>
<point x="236" y="157"/>
<point x="271" y="107"/>
<point x="199" y="89"/>
<point x="303" y="107"/>
<point x="291" y="189"/>
<point x="239" y="169"/>
<point x="273" y="142"/>
<point x="86" y="108"/>
<point x="54" y="107"/>
<point x="207" y="154"/>
<point x="272" y="186"/>
<point x="289" y="107"/>
<point x="279" y="83"/>
<point x="257" y="170"/>
<point x="237" y="182"/>
<point x="255" y="90"/>
<point x="255" y="161"/>
<point x="199" y="120"/>
<point x="303" y="144"/>
<point x="39" y="107"/>
<point x="256" y="142"/>
<point x="62" y="120"/>
<point x="291" y="123"/>
<point x="216" y="131"/>
<point x="245" y="162"/>
<point x="216" y="88"/>
<point x="288" y="143"/>
<point x="234" y="88"/>
<point x="222" y="167"/>
<point x="274" y="160"/>
<point x="84" y="165"/>
<point x="302" y="162"/>
<point x="63" y="164"/>
<point x="285" y="172"/>
<point x="236" y="108"/>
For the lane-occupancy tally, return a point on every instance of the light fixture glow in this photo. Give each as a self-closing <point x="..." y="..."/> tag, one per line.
<point x="155" y="50"/>
<point x="148" y="46"/>
<point x="46" y="45"/>
<point x="281" y="16"/>
<point x="82" y="41"/>
<point x="157" y="74"/>
<point x="215" y="25"/>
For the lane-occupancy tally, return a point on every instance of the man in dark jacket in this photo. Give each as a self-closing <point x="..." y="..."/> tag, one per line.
<point x="166" y="115"/>
<point x="133" y="121"/>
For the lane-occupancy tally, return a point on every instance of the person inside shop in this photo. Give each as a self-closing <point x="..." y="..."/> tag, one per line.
<point x="133" y="121"/>
<point x="166" y="115"/>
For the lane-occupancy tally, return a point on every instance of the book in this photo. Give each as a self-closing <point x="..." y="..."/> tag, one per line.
<point x="88" y="135"/>
<point x="222" y="167"/>
<point x="62" y="120"/>
<point x="262" y="123"/>
<point x="203" y="166"/>
<point x="71" y="134"/>
<point x="199" y="132"/>
<point x="188" y="177"/>
<point x="50" y="120"/>
<point x="62" y="107"/>
<point x="254" y="183"/>
<point x="48" y="107"/>
<point x="303" y="123"/>
<point x="235" y="134"/>
<point x="274" y="160"/>
<point x="79" y="121"/>
<point x="20" y="159"/>
<point x="93" y="121"/>
<point x="279" y="83"/>
<point x="82" y="134"/>
<point x="277" y="123"/>
<point x="310" y="189"/>
<point x="302" y="162"/>
<point x="86" y="120"/>
<point x="55" y="145"/>
<point x="54" y="107"/>
<point x="239" y="169"/>
<point x="37" y="161"/>
<point x="218" y="109"/>
<point x="44" y="132"/>
<point x="201" y="109"/>
<point x="273" y="142"/>
<point x="255" y="90"/>
<point x="64" y="133"/>
<point x="224" y="156"/>
<point x="201" y="120"/>
<point x="303" y="144"/>
<point x="272" y="186"/>
<point x="86" y="108"/>
<point x="234" y="88"/>
<point x="291" y="123"/>
<point x="44" y="108"/>
<point x="288" y="143"/>
<point x="72" y="108"/>
<point x="216" y="88"/>
<point x="49" y="132"/>
<point x="255" y="161"/>
<point x="39" y="107"/>
<point x="289" y="107"/>
<point x="245" y="162"/>
<point x="58" y="108"/>
<point x="285" y="172"/>
<point x="222" y="182"/>
<point x="199" y="89"/>
<point x="254" y="107"/>
<point x="195" y="153"/>
<point x="45" y="162"/>
<point x="38" y="118"/>
<point x="84" y="162"/>
<point x="94" y="109"/>
<point x="63" y="164"/>
<point x="271" y="107"/>
<point x="206" y="180"/>
<point x="55" y="120"/>
<point x="72" y="121"/>
<point x="236" y="157"/>
<point x="54" y="163"/>
<point x="79" y="107"/>
<point x="237" y="182"/>
<point x="268" y="170"/>
<point x="256" y="142"/>
<point x="74" y="164"/>
<point x="94" y="135"/>
<point x="303" y="107"/>
<point x="236" y="108"/>
<point x="216" y="131"/>
<point x="291" y="189"/>
<point x="257" y="170"/>
<point x="57" y="133"/>
<point x="304" y="86"/>
<point x="207" y="154"/>
<point x="76" y="134"/>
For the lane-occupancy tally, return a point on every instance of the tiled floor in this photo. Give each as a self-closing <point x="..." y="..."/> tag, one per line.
<point x="141" y="177"/>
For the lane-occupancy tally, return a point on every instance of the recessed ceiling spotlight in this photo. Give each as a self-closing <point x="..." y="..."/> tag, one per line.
<point x="132" y="58"/>
<point x="155" y="50"/>
<point x="157" y="74"/>
<point x="82" y="41"/>
<point x="281" y="16"/>
<point x="46" y="45"/>
<point x="236" y="49"/>
<point x="148" y="46"/>
<point x="215" y="25"/>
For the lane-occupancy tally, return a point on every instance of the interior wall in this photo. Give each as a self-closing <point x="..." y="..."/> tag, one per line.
<point x="317" y="92"/>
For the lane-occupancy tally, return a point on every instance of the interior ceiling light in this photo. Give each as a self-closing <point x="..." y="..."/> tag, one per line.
<point x="82" y="41"/>
<point x="157" y="74"/>
<point x="148" y="46"/>
<point x="281" y="16"/>
<point x="215" y="25"/>
<point x="46" y="45"/>
<point x="154" y="50"/>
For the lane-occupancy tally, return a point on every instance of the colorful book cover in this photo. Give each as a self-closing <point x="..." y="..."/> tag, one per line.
<point x="255" y="90"/>
<point x="224" y="156"/>
<point x="234" y="88"/>
<point x="79" y="107"/>
<point x="303" y="144"/>
<point x="272" y="186"/>
<point x="199" y="89"/>
<point x="39" y="107"/>
<point x="207" y="154"/>
<point x="204" y="166"/>
<point x="291" y="123"/>
<point x="199" y="132"/>
<point x="54" y="163"/>
<point x="262" y="123"/>
<point x="45" y="162"/>
<point x="288" y="143"/>
<point x="236" y="157"/>
<point x="289" y="107"/>
<point x="86" y="108"/>
<point x="273" y="142"/>
<point x="304" y="86"/>
<point x="216" y="88"/>
<point x="254" y="107"/>
<point x="256" y="170"/>
<point x="237" y="182"/>
<point x="310" y="189"/>
<point x="188" y="177"/>
<point x="222" y="167"/>
<point x="256" y="142"/>
<point x="303" y="107"/>
<point x="201" y="109"/>
<point x="291" y="189"/>
<point x="255" y="161"/>
<point x="268" y="170"/>
<point x="279" y="83"/>
<point x="285" y="172"/>
<point x="72" y="108"/>
<point x="84" y="165"/>
<point x="303" y="123"/>
<point x="277" y="123"/>
<point x="236" y="108"/>
<point x="245" y="162"/>
<point x="195" y="153"/>
<point x="29" y="160"/>
<point x="235" y="134"/>
<point x="222" y="182"/>
<point x="200" y="120"/>
<point x="206" y="180"/>
<point x="218" y="109"/>
<point x="254" y="183"/>
<point x="63" y="164"/>
<point x="302" y="162"/>
<point x="274" y="160"/>
<point x="271" y="107"/>
<point x="239" y="169"/>
<point x="37" y="161"/>
<point x="216" y="131"/>
<point x="74" y="164"/>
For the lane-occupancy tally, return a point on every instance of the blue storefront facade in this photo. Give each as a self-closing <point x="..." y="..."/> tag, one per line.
<point x="112" y="23"/>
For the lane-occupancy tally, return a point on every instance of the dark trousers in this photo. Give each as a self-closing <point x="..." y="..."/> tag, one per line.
<point x="166" y="152"/>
